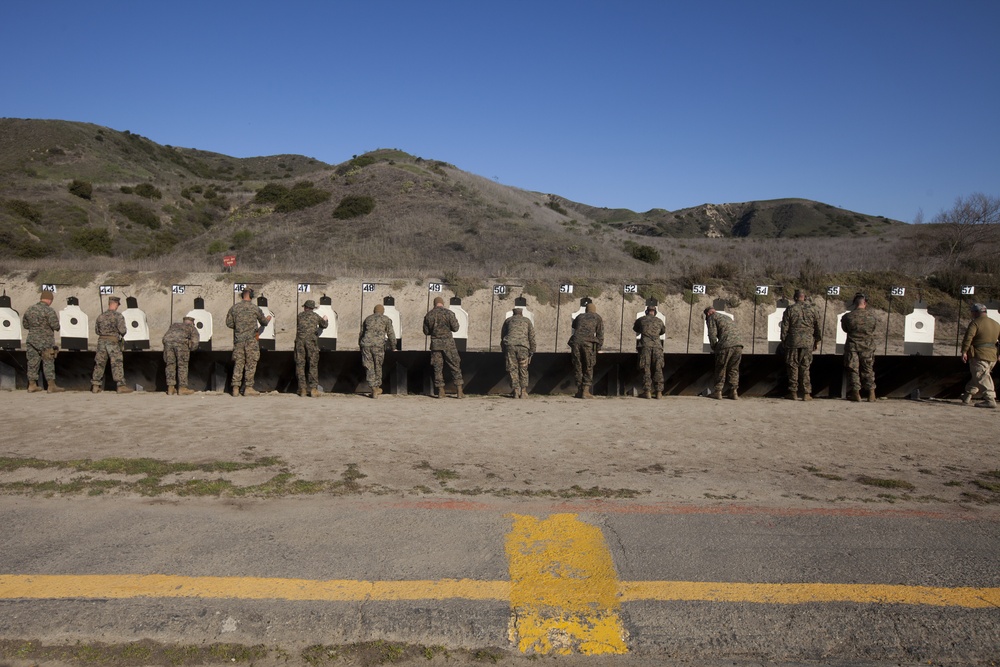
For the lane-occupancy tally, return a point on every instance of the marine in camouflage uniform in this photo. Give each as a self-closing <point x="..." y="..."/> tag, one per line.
<point x="728" y="348"/>
<point x="979" y="350"/>
<point x="110" y="329"/>
<point x="440" y="323"/>
<point x="179" y="342"/>
<point x="376" y="335"/>
<point x="307" y="325"/>
<point x="41" y="321"/>
<point x="649" y="327"/>
<point x="859" y="350"/>
<point x="800" y="335"/>
<point x="517" y="338"/>
<point x="245" y="319"/>
<point x="585" y="343"/>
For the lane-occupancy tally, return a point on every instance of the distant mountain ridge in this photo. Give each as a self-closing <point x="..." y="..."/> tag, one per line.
<point x="70" y="189"/>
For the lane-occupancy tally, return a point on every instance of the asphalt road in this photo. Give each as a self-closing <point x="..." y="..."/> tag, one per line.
<point x="702" y="585"/>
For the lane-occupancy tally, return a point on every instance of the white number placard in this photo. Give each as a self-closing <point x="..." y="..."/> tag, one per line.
<point x="631" y="289"/>
<point x="435" y="287"/>
<point x="897" y="291"/>
<point x="49" y="288"/>
<point x="239" y="287"/>
<point x="565" y="288"/>
<point x="304" y="288"/>
<point x="499" y="290"/>
<point x="108" y="289"/>
<point x="968" y="290"/>
<point x="698" y="289"/>
<point x="833" y="290"/>
<point x="367" y="287"/>
<point x="178" y="289"/>
<point x="762" y="290"/>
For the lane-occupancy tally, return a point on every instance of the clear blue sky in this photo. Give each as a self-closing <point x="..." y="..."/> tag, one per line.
<point x="880" y="106"/>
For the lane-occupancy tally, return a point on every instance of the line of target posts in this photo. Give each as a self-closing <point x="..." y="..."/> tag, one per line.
<point x="502" y="290"/>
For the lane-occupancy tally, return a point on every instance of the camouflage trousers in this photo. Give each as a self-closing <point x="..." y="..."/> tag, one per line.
<point x="371" y="358"/>
<point x="797" y="363"/>
<point x="651" y="365"/>
<point x="176" y="358"/>
<point x="108" y="350"/>
<point x="584" y="359"/>
<point x="517" y="357"/>
<point x="981" y="383"/>
<point x="727" y="368"/>
<point x="860" y="367"/>
<point x="450" y="356"/>
<point x="45" y="358"/>
<point x="245" y="357"/>
<point x="307" y="353"/>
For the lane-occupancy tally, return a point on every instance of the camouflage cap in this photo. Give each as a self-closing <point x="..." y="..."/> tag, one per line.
<point x="438" y="301"/>
<point x="978" y="308"/>
<point x="188" y="317"/>
<point x="310" y="304"/>
<point x="47" y="294"/>
<point x="116" y="299"/>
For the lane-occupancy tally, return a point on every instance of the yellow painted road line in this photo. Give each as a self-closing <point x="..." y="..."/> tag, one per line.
<point x="563" y="588"/>
<point x="973" y="598"/>
<point x="246" y="588"/>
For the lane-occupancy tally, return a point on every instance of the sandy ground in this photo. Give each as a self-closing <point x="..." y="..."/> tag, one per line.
<point x="411" y="298"/>
<point x="679" y="450"/>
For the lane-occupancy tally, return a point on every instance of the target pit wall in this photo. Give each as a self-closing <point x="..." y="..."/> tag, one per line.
<point x="551" y="373"/>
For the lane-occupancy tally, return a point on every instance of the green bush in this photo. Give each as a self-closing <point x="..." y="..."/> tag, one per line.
<point x="242" y="238"/>
<point x="93" y="241"/>
<point x="20" y="245"/>
<point x="23" y="209"/>
<point x="354" y="206"/>
<point x="82" y="189"/>
<point x="272" y="193"/>
<point x="148" y="190"/>
<point x="644" y="253"/>
<point x="301" y="195"/>
<point x="139" y="214"/>
<point x="126" y="190"/>
<point x="216" y="247"/>
<point x="554" y="205"/>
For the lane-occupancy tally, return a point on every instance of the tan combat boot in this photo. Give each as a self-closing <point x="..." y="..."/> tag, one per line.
<point x="55" y="389"/>
<point x="717" y="395"/>
<point x="460" y="390"/>
<point x="250" y="391"/>
<point x="438" y="392"/>
<point x="33" y="387"/>
<point x="236" y="392"/>
<point x="516" y="392"/>
<point x="376" y="391"/>
<point x="171" y="390"/>
<point x="658" y="395"/>
<point x="807" y="397"/>
<point x="586" y="392"/>
<point x="524" y="393"/>
<point x="966" y="397"/>
<point x="733" y="394"/>
<point x="124" y="389"/>
<point x="645" y="393"/>
<point x="871" y="396"/>
<point x="303" y="391"/>
<point x="314" y="392"/>
<point x="96" y="389"/>
<point x="184" y="391"/>
<point x="854" y="396"/>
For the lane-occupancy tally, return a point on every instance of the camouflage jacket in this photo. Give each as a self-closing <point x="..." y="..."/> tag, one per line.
<point x="518" y="331"/>
<point x="649" y="328"/>
<point x="41" y="321"/>
<point x="860" y="325"/>
<point x="588" y="328"/>
<point x="722" y="332"/>
<point x="110" y="323"/>
<point x="376" y="330"/>
<point x="439" y="323"/>
<point x="244" y="318"/>
<point x="306" y="325"/>
<point x="980" y="340"/>
<point x="182" y="334"/>
<point x="800" y="326"/>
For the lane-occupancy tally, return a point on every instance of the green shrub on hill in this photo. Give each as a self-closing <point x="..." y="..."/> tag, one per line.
<point x="23" y="209"/>
<point x="81" y="189"/>
<point x="147" y="190"/>
<point x="354" y="206"/>
<point x="93" y="241"/>
<point x="643" y="253"/>
<point x="300" y="196"/>
<point x="139" y="214"/>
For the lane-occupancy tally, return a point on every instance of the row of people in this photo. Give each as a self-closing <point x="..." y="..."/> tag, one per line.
<point x="800" y="337"/>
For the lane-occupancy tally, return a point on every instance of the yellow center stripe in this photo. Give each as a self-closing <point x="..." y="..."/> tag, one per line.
<point x="563" y="588"/>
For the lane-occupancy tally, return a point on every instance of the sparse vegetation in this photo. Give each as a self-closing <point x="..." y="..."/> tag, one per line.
<point x="139" y="214"/>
